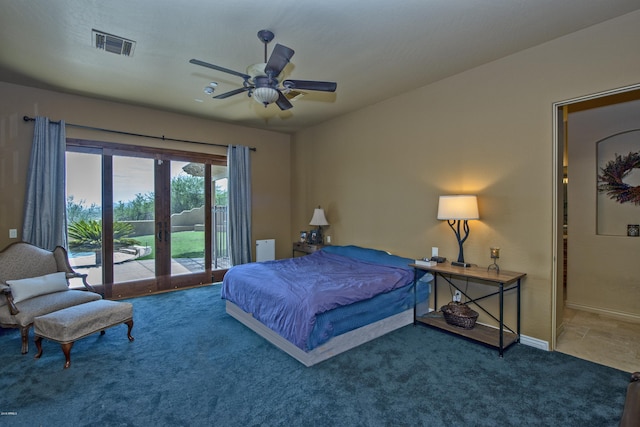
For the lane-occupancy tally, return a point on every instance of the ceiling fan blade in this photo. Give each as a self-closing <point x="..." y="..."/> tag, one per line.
<point x="232" y="92"/>
<point x="283" y="102"/>
<point x="310" y="85"/>
<point x="279" y="59"/>
<point x="217" y="67"/>
<point x="294" y="94"/>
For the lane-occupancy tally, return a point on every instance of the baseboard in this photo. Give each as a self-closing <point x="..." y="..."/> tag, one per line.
<point x="534" y="342"/>
<point x="620" y="315"/>
<point x="526" y="340"/>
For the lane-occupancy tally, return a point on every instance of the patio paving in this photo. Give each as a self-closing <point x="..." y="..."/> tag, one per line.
<point x="129" y="270"/>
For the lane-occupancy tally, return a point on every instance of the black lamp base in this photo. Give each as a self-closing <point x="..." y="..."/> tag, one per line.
<point x="460" y="264"/>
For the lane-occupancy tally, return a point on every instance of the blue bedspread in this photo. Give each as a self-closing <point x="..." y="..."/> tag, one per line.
<point x="287" y="295"/>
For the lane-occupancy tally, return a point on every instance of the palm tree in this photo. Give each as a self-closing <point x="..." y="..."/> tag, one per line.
<point x="86" y="235"/>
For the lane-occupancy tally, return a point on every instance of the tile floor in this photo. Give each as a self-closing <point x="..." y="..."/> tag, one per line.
<point x="601" y="339"/>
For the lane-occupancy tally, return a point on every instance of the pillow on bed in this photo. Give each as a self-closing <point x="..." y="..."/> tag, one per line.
<point x="375" y="256"/>
<point x="23" y="289"/>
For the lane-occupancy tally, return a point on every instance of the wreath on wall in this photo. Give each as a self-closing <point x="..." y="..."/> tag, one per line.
<point x="610" y="180"/>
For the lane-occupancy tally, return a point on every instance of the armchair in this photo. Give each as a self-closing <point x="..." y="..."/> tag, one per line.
<point x="30" y="287"/>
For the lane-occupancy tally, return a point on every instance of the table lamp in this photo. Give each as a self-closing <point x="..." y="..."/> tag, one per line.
<point x="319" y="220"/>
<point x="458" y="209"/>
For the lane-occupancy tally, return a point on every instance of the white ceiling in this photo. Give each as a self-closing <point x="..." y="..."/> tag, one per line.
<point x="373" y="49"/>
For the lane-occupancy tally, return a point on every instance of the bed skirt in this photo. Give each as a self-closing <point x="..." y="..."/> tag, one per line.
<point x="331" y="348"/>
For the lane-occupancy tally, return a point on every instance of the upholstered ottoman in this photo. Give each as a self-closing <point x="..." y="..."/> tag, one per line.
<point x="69" y="325"/>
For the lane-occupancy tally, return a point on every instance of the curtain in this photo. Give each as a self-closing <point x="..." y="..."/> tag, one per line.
<point x="239" y="167"/>
<point x="45" y="216"/>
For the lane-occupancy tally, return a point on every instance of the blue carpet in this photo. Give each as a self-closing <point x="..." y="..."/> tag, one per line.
<point x="193" y="365"/>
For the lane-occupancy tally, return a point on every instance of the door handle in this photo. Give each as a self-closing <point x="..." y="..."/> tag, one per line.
<point x="159" y="232"/>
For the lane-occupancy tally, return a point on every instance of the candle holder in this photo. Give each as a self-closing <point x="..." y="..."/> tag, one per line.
<point x="495" y="254"/>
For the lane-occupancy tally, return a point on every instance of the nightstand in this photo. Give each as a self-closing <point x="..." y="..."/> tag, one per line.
<point x="306" y="248"/>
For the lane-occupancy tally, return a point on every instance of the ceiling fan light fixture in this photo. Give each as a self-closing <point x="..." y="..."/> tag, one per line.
<point x="265" y="95"/>
<point x="256" y="70"/>
<point x="261" y="82"/>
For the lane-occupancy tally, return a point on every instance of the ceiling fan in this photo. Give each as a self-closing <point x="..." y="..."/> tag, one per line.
<point x="261" y="81"/>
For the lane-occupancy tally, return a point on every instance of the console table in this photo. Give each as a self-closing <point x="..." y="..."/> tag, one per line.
<point x="501" y="337"/>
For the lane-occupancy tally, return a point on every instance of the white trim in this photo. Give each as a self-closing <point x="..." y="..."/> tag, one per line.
<point x="524" y="339"/>
<point x="534" y="342"/>
<point x="596" y="95"/>
<point x="555" y="256"/>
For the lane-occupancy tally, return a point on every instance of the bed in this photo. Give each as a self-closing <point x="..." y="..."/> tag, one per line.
<point x="317" y="306"/>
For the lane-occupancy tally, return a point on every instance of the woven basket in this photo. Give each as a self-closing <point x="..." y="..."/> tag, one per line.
<point x="459" y="315"/>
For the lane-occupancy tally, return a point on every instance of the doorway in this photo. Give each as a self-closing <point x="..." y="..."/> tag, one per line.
<point x="581" y="228"/>
<point x="140" y="219"/>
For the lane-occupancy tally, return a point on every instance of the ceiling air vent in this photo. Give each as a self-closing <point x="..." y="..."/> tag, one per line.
<point x="113" y="44"/>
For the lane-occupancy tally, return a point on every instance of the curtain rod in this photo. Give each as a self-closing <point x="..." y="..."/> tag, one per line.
<point x="163" y="138"/>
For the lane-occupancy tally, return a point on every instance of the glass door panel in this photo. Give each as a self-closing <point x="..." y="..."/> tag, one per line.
<point x="220" y="218"/>
<point x="84" y="215"/>
<point x="134" y="242"/>
<point x="187" y="218"/>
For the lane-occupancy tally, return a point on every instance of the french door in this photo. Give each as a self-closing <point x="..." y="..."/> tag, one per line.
<point x="155" y="217"/>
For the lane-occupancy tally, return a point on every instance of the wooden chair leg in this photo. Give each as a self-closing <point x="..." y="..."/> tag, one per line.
<point x="24" y="332"/>
<point x="38" y="342"/>
<point x="66" y="349"/>
<point x="129" y="327"/>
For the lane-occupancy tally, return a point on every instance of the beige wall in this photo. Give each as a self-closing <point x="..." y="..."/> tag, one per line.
<point x="378" y="172"/>
<point x="603" y="269"/>
<point x="271" y="175"/>
<point x="489" y="131"/>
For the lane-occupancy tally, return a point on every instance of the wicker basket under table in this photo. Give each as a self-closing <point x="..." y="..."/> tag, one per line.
<point x="459" y="315"/>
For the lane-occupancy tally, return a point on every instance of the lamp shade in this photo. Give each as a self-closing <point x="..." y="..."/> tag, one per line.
<point x="318" y="217"/>
<point x="460" y="207"/>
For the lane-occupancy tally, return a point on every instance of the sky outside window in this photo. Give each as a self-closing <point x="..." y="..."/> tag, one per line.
<point x="131" y="176"/>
